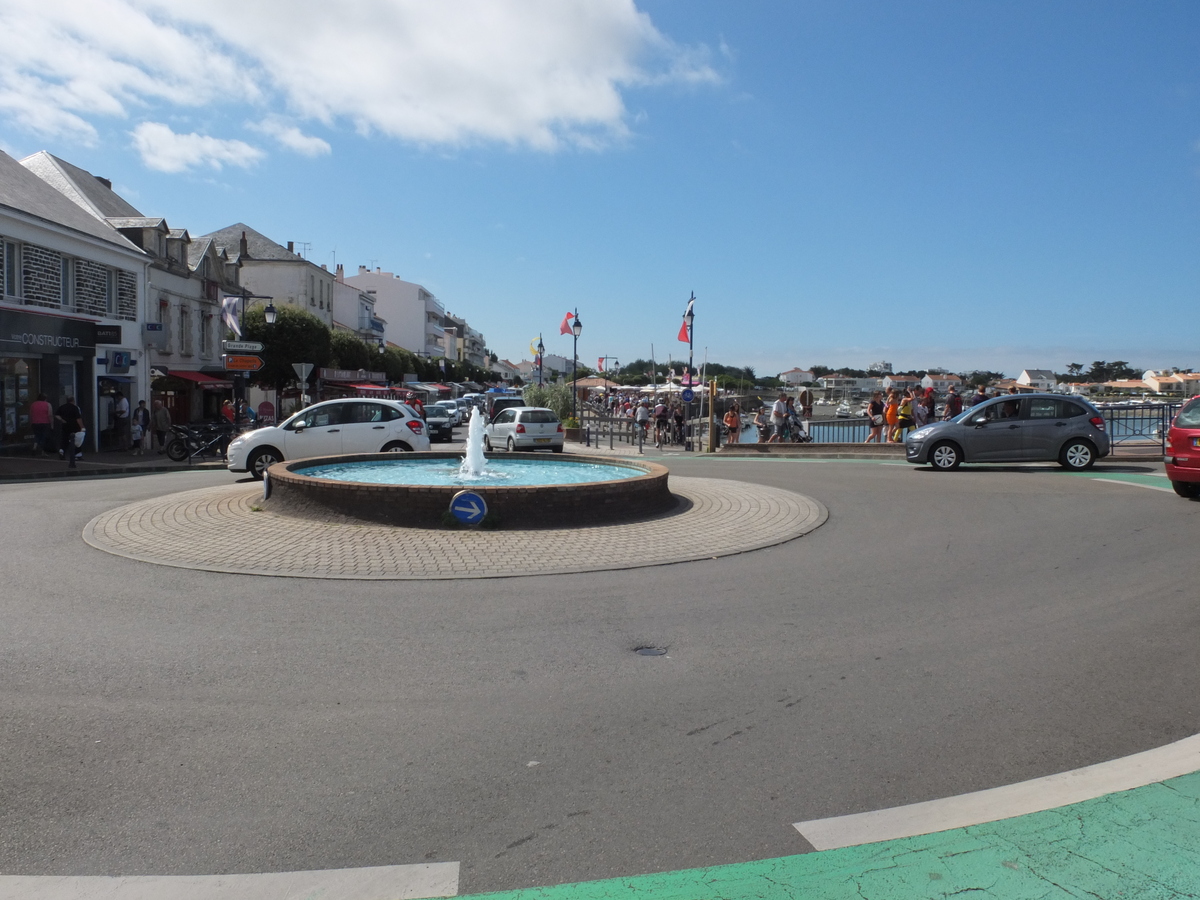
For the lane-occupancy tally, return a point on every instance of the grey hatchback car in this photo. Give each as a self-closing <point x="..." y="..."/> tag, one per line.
<point x="1014" y="428"/>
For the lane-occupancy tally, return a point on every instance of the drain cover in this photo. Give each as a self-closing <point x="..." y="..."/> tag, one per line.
<point x="651" y="651"/>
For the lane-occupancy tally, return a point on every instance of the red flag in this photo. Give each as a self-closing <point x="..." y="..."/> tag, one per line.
<point x="600" y="364"/>
<point x="565" y="327"/>
<point x="683" y="333"/>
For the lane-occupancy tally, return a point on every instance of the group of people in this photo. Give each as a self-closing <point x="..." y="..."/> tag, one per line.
<point x="899" y="411"/>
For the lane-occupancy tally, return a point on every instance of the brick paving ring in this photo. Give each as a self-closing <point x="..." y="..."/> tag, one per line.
<point x="226" y="529"/>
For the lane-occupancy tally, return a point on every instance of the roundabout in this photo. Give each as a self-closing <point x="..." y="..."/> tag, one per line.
<point x="227" y="530"/>
<point x="938" y="635"/>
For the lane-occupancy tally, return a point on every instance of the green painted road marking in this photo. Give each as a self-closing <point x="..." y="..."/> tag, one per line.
<point x="1155" y="482"/>
<point x="1143" y="842"/>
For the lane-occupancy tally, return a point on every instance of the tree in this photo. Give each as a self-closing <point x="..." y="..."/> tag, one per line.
<point x="296" y="337"/>
<point x="1074" y="369"/>
<point x="349" y="351"/>
<point x="980" y="378"/>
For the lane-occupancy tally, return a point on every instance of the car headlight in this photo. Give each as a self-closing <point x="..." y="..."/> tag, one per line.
<point x="921" y="433"/>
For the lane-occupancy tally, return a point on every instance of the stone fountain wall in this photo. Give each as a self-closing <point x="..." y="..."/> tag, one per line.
<point x="553" y="506"/>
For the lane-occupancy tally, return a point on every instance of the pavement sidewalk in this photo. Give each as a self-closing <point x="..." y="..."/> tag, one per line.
<point x="28" y="468"/>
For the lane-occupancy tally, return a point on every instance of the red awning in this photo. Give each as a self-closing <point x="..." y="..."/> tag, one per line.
<point x="371" y="387"/>
<point x="208" y="382"/>
<point x="440" y="387"/>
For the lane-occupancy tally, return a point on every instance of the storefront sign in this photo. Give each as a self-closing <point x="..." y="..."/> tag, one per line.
<point x="351" y="375"/>
<point x="31" y="333"/>
<point x="108" y="334"/>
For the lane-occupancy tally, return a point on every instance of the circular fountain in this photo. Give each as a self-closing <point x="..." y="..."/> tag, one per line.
<point x="521" y="490"/>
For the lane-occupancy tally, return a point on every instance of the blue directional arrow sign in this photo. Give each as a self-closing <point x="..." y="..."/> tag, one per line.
<point x="468" y="507"/>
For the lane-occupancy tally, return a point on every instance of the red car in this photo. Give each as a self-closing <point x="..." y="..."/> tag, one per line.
<point x="1183" y="451"/>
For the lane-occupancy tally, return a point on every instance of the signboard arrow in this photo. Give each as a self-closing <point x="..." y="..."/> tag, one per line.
<point x="241" y="346"/>
<point x="242" y="363"/>
<point x="468" y="507"/>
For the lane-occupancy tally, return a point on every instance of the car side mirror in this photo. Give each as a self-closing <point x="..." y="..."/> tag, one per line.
<point x="979" y="420"/>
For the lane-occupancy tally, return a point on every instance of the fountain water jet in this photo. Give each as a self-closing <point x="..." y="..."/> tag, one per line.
<point x="474" y="463"/>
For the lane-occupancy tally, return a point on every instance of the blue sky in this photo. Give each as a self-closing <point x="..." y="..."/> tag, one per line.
<point x="958" y="184"/>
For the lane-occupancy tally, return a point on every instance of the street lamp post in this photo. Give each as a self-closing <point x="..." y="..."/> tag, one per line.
<point x="690" y="317"/>
<point x="541" y="350"/>
<point x="576" y="327"/>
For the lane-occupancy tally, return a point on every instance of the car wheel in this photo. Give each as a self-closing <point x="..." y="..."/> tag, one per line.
<point x="487" y="445"/>
<point x="945" y="457"/>
<point x="396" y="447"/>
<point x="512" y="446"/>
<point x="262" y="460"/>
<point x="557" y="449"/>
<point x="1077" y="456"/>
<point x="1188" y="489"/>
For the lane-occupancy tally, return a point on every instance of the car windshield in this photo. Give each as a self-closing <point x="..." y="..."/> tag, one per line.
<point x="436" y="412"/>
<point x="1189" y="416"/>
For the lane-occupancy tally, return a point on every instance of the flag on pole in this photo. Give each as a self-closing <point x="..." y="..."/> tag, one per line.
<point x="683" y="329"/>
<point x="600" y="364"/>
<point x="229" y="313"/>
<point x="565" y="327"/>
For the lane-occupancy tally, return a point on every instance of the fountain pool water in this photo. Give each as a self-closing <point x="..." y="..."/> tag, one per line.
<point x="522" y="490"/>
<point x="444" y="472"/>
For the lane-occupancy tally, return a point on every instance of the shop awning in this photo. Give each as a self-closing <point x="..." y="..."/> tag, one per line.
<point x="208" y="382"/>
<point x="377" y="388"/>
<point x="439" y="387"/>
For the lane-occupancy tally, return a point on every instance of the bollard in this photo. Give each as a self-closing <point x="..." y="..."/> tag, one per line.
<point x="610" y="434"/>
<point x="587" y="436"/>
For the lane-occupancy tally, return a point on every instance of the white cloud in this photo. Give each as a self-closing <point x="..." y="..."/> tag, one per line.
<point x="291" y="137"/>
<point x="533" y="73"/>
<point x="164" y="150"/>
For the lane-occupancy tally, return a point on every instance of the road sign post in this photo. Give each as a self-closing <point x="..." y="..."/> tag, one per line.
<point x="241" y="346"/>
<point x="468" y="507"/>
<point x="243" y="363"/>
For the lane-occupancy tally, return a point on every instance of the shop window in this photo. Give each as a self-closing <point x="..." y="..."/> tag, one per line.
<point x="67" y="282"/>
<point x="110" y="291"/>
<point x="12" y="269"/>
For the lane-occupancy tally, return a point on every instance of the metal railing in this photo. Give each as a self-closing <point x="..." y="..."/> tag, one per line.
<point x="1140" y="424"/>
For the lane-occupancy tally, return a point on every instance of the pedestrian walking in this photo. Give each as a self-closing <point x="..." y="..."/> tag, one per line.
<point x="733" y="424"/>
<point x="778" y="419"/>
<point x="121" y="421"/>
<point x="160" y="421"/>
<point x="763" y="423"/>
<point x="979" y="396"/>
<point x="875" y="411"/>
<point x="954" y="404"/>
<point x="71" y="417"/>
<point x="891" y="412"/>
<point x="139" y="428"/>
<point x="41" y="417"/>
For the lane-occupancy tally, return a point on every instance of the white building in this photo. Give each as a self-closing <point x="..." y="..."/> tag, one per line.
<point x="941" y="381"/>
<point x="794" y="377"/>
<point x="1038" y="379"/>
<point x="900" y="382"/>
<point x="273" y="271"/>
<point x="354" y="311"/>
<point x="72" y="297"/>
<point x="413" y="314"/>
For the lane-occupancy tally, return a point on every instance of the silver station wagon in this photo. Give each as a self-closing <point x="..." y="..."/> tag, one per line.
<point x="1014" y="428"/>
<point x="524" y="428"/>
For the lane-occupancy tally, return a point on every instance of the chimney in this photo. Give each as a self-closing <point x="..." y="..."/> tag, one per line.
<point x="363" y="270"/>
<point x="291" y="246"/>
<point x="243" y="250"/>
<point x="325" y="267"/>
<point x="104" y="181"/>
<point x="377" y="269"/>
<point x="340" y="275"/>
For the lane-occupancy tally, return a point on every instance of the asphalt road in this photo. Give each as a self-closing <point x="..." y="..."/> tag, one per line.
<point x="941" y="633"/>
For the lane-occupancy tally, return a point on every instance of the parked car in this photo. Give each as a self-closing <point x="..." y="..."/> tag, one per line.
<point x="328" y="429"/>
<point x="437" y="418"/>
<point x="1183" y="450"/>
<point x="499" y="402"/>
<point x="524" y="428"/>
<point x="451" y="407"/>
<point x="1014" y="428"/>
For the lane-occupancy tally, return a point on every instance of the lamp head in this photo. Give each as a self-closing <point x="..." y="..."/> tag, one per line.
<point x="577" y="326"/>
<point x="270" y="313"/>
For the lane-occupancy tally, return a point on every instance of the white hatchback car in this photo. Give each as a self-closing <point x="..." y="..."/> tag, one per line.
<point x="329" y="429"/>
<point x="524" y="428"/>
